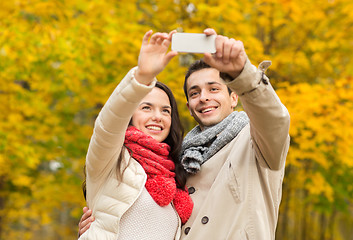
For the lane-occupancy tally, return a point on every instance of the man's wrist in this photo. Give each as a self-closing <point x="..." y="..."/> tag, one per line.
<point x="234" y="75"/>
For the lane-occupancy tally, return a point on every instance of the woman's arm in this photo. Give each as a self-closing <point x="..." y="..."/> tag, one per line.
<point x="110" y="126"/>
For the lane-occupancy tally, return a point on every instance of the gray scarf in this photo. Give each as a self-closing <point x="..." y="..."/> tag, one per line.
<point x="199" y="146"/>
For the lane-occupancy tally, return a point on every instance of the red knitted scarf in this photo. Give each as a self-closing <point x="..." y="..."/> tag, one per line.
<point x="153" y="156"/>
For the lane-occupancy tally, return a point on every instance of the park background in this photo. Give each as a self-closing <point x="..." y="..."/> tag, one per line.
<point x="61" y="59"/>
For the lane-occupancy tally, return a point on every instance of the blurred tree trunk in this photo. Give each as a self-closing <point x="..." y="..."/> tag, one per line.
<point x="283" y="219"/>
<point x="331" y="224"/>
<point x="2" y="205"/>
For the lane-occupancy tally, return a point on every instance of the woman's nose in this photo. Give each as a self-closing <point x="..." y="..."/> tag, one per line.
<point x="157" y="116"/>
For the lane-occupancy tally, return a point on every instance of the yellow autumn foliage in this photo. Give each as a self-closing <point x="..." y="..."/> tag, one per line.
<point x="61" y="59"/>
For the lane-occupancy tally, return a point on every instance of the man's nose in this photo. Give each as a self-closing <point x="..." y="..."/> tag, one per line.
<point x="204" y="96"/>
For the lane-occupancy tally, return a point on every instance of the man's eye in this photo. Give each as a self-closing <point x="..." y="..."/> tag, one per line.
<point x="214" y="89"/>
<point x="193" y="94"/>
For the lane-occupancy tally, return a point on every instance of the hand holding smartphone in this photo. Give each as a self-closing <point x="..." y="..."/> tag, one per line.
<point x="193" y="43"/>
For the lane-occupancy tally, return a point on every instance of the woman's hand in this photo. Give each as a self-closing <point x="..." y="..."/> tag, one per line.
<point x="230" y="56"/>
<point x="154" y="56"/>
<point x="85" y="221"/>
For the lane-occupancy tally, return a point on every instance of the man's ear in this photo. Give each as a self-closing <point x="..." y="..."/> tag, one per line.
<point x="234" y="99"/>
<point x="187" y="104"/>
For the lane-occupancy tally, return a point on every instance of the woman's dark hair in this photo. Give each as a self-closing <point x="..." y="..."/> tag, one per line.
<point x="174" y="140"/>
<point x="175" y="137"/>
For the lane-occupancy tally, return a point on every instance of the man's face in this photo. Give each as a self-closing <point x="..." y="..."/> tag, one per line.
<point x="209" y="100"/>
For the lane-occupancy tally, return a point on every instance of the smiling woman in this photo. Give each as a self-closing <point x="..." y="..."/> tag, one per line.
<point x="135" y="184"/>
<point x="153" y="116"/>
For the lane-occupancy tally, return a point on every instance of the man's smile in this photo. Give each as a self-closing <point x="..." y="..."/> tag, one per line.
<point x="207" y="109"/>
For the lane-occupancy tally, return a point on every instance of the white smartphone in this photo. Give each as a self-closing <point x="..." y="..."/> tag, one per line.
<point x="193" y="43"/>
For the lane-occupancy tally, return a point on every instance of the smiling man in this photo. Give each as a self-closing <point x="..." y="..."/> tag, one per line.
<point x="206" y="101"/>
<point x="235" y="159"/>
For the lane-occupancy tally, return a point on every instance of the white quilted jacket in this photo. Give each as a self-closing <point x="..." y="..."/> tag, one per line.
<point x="108" y="198"/>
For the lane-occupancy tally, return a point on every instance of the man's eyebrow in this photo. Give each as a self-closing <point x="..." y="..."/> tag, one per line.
<point x="211" y="83"/>
<point x="208" y="83"/>
<point x="193" y="87"/>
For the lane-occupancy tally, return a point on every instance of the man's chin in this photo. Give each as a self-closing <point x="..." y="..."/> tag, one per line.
<point x="207" y="123"/>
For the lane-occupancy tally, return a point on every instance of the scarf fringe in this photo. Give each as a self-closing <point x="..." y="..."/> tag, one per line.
<point x="153" y="156"/>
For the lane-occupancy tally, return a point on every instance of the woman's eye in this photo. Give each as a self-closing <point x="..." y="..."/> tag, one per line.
<point x="166" y="111"/>
<point x="146" y="107"/>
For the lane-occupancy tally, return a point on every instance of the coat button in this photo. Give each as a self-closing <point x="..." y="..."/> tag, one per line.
<point x="191" y="190"/>
<point x="204" y="220"/>
<point x="186" y="230"/>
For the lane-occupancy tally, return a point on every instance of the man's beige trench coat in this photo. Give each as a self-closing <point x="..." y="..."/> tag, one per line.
<point x="237" y="192"/>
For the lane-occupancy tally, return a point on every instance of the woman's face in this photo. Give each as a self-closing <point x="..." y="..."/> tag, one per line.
<point x="153" y="115"/>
